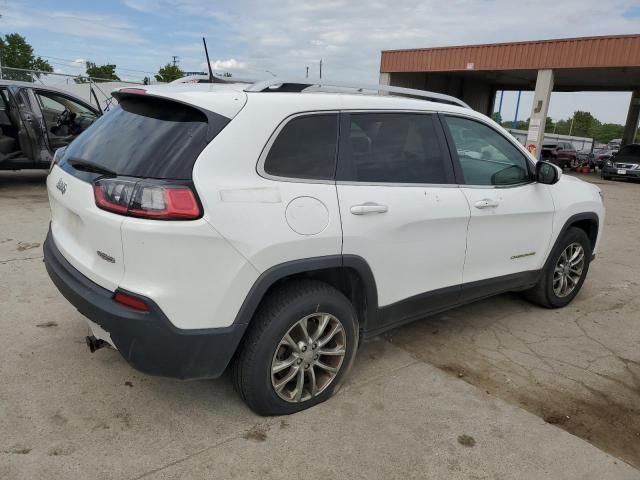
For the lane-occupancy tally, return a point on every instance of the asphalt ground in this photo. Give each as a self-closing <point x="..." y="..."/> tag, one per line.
<point x="497" y="389"/>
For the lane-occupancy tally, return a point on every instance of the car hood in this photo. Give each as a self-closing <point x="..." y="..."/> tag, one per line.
<point x="626" y="159"/>
<point x="569" y="178"/>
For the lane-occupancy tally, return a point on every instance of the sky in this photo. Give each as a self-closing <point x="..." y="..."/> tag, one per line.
<point x="257" y="38"/>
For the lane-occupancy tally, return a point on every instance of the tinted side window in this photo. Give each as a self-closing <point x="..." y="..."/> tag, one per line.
<point x="392" y="148"/>
<point x="486" y="157"/>
<point x="305" y="148"/>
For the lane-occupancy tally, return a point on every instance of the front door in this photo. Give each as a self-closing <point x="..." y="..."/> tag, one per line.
<point x="64" y="118"/>
<point x="401" y="210"/>
<point x="511" y="215"/>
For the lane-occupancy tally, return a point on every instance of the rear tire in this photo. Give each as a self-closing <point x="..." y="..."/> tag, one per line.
<point x="606" y="177"/>
<point x="288" y="360"/>
<point x="564" y="272"/>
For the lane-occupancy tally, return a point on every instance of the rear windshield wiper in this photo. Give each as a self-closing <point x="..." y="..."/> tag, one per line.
<point x="87" y="166"/>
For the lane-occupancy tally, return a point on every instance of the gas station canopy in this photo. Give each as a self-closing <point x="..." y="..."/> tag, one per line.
<point x="609" y="63"/>
<point x="474" y="73"/>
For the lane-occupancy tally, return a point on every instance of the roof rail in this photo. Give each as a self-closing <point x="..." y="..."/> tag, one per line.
<point x="288" y="85"/>
<point x="206" y="79"/>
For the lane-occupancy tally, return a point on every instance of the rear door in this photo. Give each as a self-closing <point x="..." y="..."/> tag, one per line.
<point x="32" y="132"/>
<point x="401" y="210"/>
<point x="511" y="215"/>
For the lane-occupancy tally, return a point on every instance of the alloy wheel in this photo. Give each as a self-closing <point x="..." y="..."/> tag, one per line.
<point x="308" y="358"/>
<point x="568" y="270"/>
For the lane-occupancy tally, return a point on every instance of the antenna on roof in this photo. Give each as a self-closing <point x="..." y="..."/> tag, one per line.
<point x="206" y="52"/>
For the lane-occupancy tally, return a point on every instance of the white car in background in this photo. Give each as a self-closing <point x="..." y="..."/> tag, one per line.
<point x="272" y="226"/>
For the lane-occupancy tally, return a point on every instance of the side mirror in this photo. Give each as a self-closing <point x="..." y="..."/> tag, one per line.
<point x="547" y="173"/>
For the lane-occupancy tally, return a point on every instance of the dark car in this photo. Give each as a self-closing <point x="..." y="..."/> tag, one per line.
<point x="624" y="164"/>
<point x="36" y="120"/>
<point x="601" y="157"/>
<point x="562" y="154"/>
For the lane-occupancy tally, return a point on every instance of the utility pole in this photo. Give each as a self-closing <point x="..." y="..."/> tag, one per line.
<point x="307" y="76"/>
<point x="320" y="68"/>
<point x="571" y="127"/>
<point x="515" y="118"/>
<point x="176" y="59"/>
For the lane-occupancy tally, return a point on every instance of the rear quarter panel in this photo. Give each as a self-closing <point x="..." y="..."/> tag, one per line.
<point x="251" y="211"/>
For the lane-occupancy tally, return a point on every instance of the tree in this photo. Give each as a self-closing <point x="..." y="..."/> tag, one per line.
<point x="15" y="52"/>
<point x="583" y="124"/>
<point x="169" y="73"/>
<point x="549" y="125"/>
<point x="520" y="125"/>
<point x="103" y="72"/>
<point x="606" y="132"/>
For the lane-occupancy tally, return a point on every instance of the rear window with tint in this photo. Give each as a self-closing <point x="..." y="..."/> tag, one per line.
<point x="147" y="137"/>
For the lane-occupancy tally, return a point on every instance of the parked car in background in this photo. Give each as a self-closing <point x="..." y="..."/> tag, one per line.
<point x="562" y="154"/>
<point x="36" y="120"/>
<point x="585" y="156"/>
<point x="601" y="157"/>
<point x="615" y="144"/>
<point x="624" y="164"/>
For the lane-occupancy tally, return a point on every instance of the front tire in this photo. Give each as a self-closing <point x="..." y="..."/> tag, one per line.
<point x="300" y="345"/>
<point x="565" y="271"/>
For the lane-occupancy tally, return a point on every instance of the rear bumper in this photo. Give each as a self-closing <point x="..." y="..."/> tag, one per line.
<point x="147" y="340"/>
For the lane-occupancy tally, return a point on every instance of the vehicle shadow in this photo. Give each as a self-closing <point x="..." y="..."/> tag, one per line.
<point x="22" y="177"/>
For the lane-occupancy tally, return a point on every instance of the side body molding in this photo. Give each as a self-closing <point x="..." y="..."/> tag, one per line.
<point x="376" y="319"/>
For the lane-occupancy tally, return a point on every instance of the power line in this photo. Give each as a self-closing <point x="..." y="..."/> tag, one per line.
<point x="82" y="66"/>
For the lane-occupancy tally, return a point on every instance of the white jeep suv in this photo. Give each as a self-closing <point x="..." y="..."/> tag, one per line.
<point x="270" y="227"/>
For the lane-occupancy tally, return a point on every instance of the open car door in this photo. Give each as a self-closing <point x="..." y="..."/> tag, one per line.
<point x="32" y="131"/>
<point x="65" y="117"/>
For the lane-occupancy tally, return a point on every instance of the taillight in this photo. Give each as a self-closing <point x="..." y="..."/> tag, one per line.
<point x="131" y="301"/>
<point x="147" y="199"/>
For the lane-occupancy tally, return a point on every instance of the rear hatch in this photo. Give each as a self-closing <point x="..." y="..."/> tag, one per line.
<point x="136" y="160"/>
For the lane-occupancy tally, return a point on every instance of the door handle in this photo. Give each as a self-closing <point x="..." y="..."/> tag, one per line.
<point x="486" y="203"/>
<point x="367" y="208"/>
